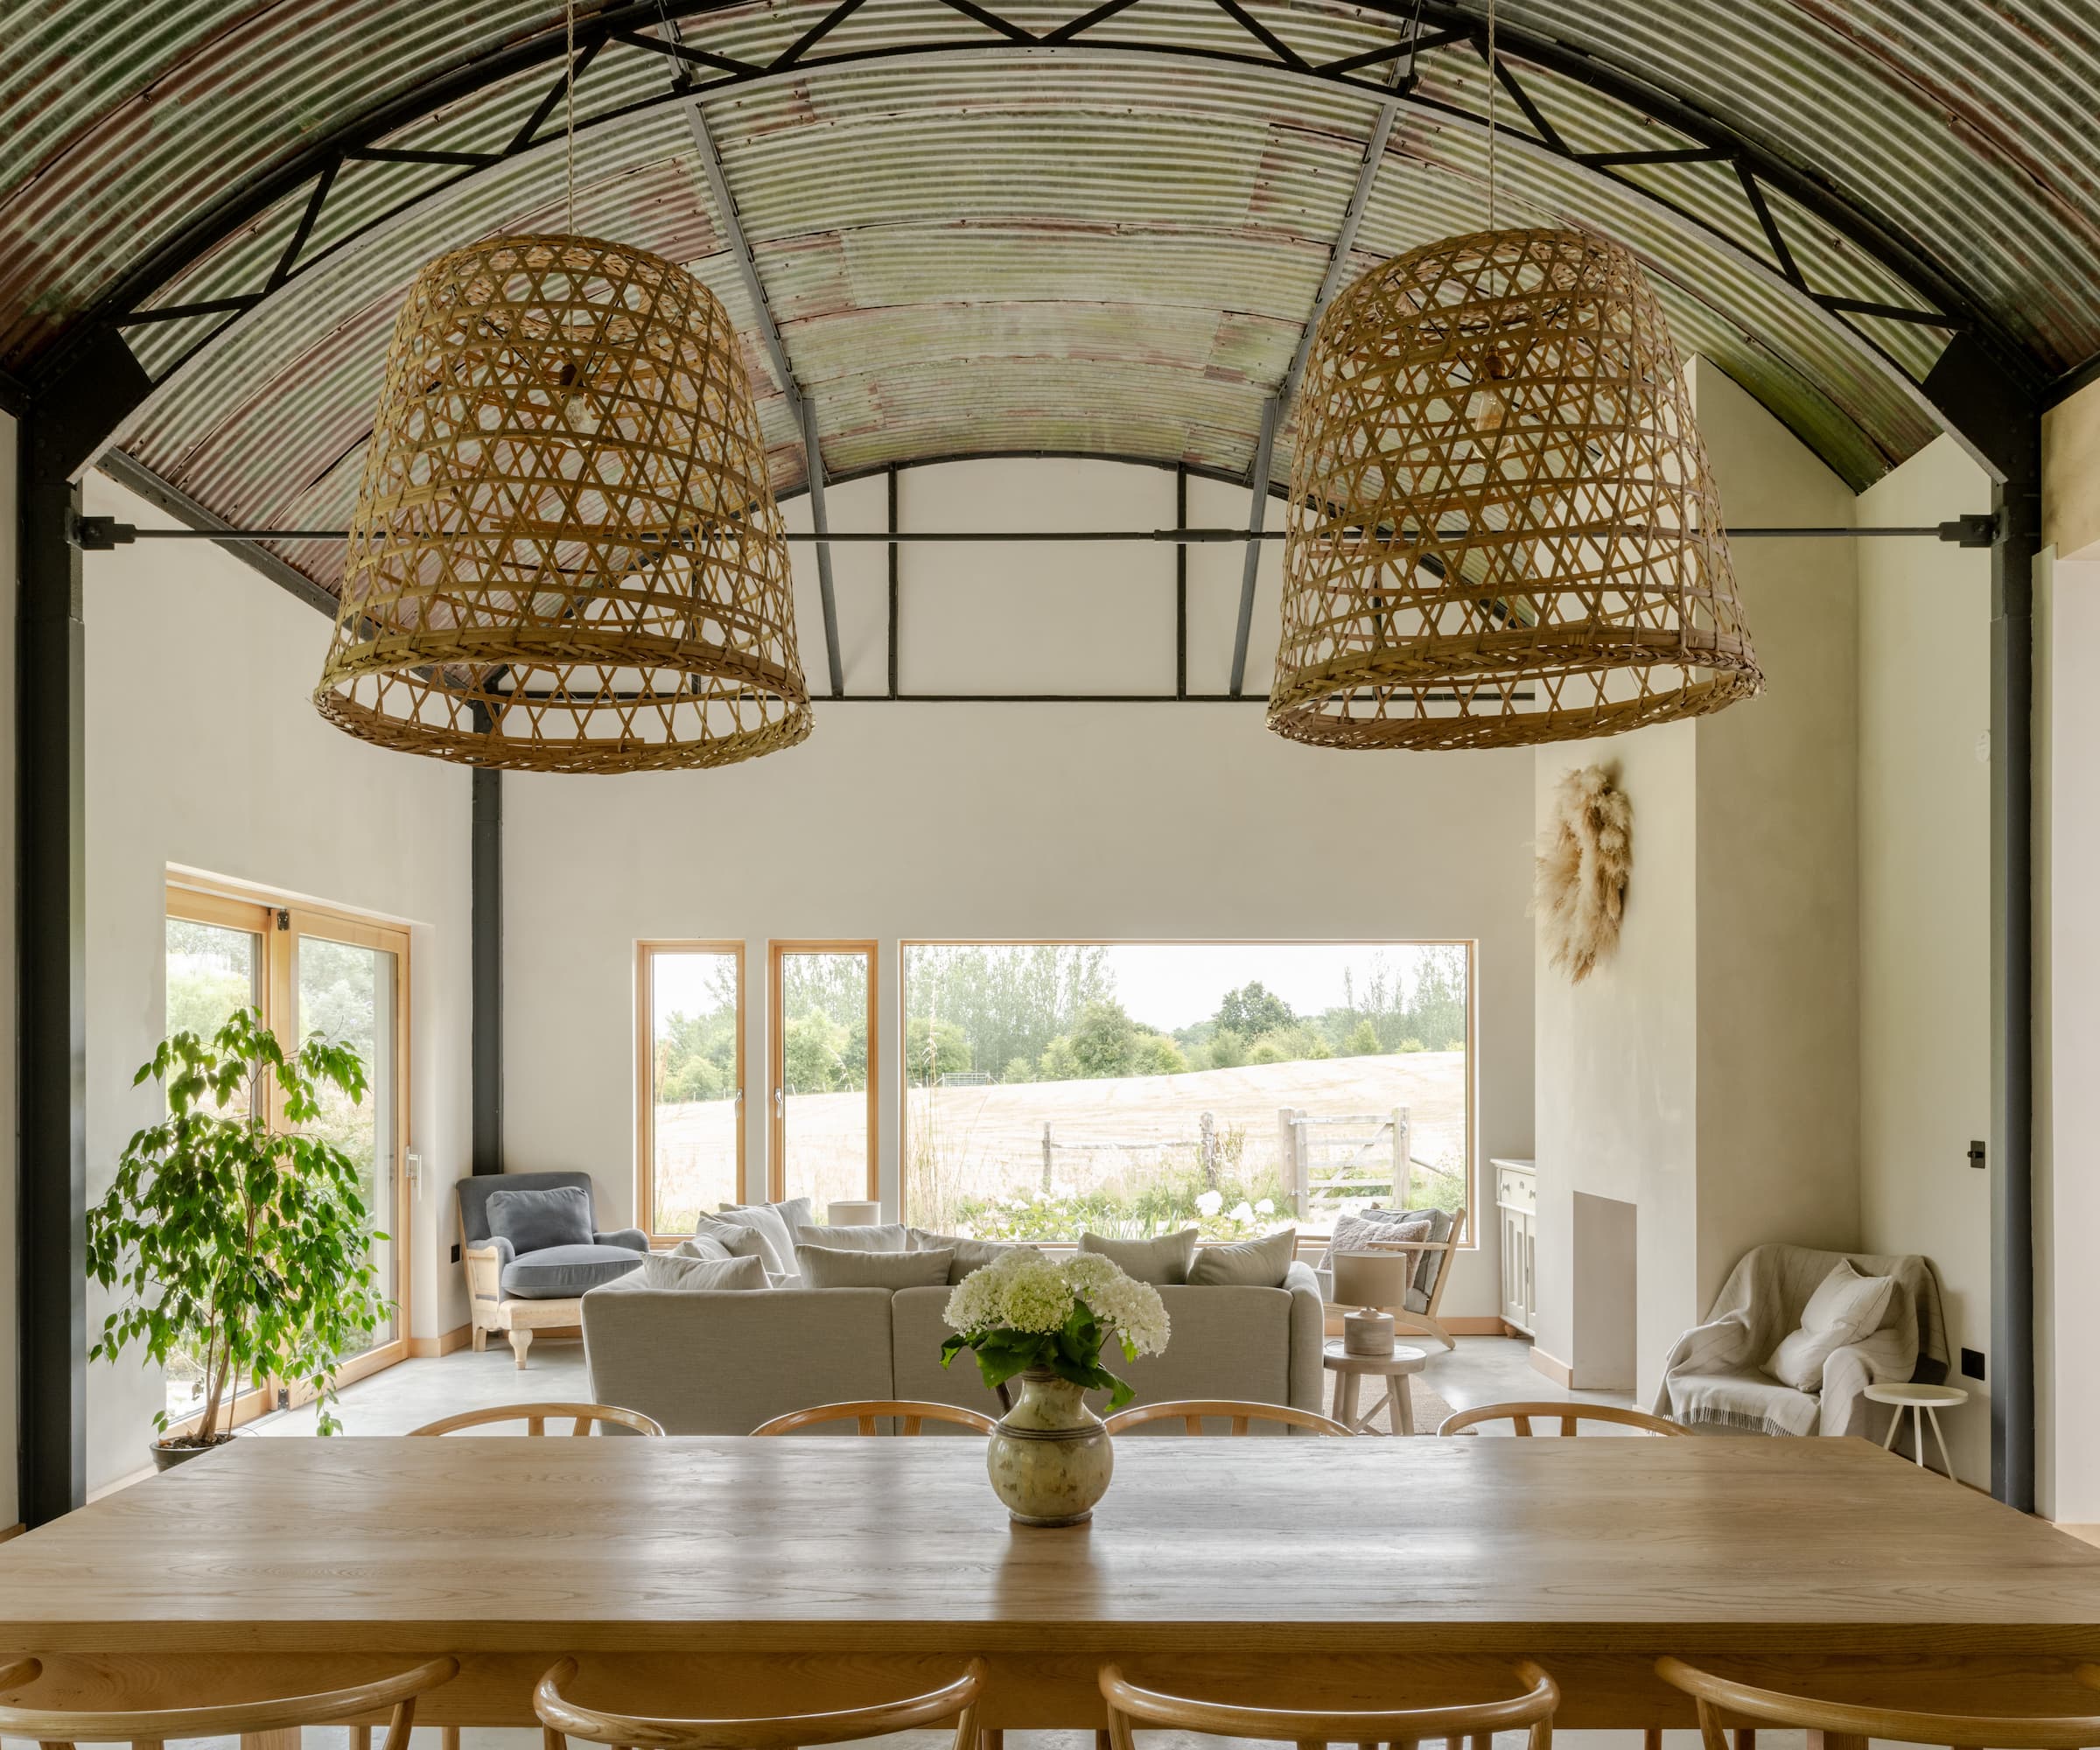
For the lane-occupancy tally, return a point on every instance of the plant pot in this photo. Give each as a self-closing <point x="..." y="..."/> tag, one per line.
<point x="167" y="1453"/>
<point x="1049" y="1458"/>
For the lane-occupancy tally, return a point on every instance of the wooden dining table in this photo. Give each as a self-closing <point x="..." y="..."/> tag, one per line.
<point x="725" y="1576"/>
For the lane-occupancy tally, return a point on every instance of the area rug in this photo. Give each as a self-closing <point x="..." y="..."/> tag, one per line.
<point x="1431" y="1407"/>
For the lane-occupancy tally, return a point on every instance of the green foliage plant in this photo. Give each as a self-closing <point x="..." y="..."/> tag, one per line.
<point x="243" y="1242"/>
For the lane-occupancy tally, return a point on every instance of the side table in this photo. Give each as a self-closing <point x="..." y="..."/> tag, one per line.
<point x="1923" y="1402"/>
<point x="1393" y="1369"/>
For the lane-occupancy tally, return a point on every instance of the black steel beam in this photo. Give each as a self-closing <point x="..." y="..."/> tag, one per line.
<point x="1181" y="586"/>
<point x="487" y="926"/>
<point x="896" y="579"/>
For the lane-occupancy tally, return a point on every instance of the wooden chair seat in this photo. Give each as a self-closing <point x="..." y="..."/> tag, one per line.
<point x="1569" y="1416"/>
<point x="911" y="1411"/>
<point x="61" y="1728"/>
<point x="1242" y="1413"/>
<point x="587" y="1418"/>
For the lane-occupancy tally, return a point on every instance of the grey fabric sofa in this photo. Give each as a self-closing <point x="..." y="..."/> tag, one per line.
<point x="722" y="1362"/>
<point x="518" y="1294"/>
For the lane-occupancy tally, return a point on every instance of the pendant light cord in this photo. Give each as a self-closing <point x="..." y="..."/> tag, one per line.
<point x="1494" y="80"/>
<point x="568" y="105"/>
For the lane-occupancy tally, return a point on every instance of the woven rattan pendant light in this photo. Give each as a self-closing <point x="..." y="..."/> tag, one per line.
<point x="1503" y="528"/>
<point x="565" y="555"/>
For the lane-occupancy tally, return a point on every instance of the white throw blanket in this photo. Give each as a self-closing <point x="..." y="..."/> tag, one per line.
<point x="1715" y="1374"/>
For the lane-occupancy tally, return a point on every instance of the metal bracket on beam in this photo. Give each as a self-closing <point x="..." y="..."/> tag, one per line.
<point x="776" y="350"/>
<point x="1980" y="530"/>
<point x="101" y="534"/>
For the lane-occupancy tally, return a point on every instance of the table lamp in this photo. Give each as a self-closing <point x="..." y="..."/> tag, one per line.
<point x="1369" y="1281"/>
<point x="853" y="1213"/>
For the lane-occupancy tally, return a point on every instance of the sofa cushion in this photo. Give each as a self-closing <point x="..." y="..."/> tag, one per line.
<point x="1350" y="1232"/>
<point x="821" y="1267"/>
<point x="534" y="1220"/>
<point x="732" y="1239"/>
<point x="1845" y="1307"/>
<point x="775" y="1223"/>
<point x="689" y="1274"/>
<point x="970" y="1255"/>
<point x="893" y="1236"/>
<point x="477" y="1188"/>
<point x="558" y="1272"/>
<point x="1250" y="1263"/>
<point x="713" y="1250"/>
<point x="1162" y="1261"/>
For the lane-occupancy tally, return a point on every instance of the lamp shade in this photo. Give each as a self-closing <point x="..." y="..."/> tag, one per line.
<point x="565" y="555"/>
<point x="852" y="1213"/>
<point x="1373" y="1278"/>
<point x="1503" y="529"/>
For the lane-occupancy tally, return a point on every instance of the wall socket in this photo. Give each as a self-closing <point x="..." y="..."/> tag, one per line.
<point x="1978" y="1155"/>
<point x="1972" y="1363"/>
<point x="455" y="1254"/>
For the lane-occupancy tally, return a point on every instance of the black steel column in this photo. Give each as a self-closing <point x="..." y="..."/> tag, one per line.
<point x="487" y="930"/>
<point x="2017" y="502"/>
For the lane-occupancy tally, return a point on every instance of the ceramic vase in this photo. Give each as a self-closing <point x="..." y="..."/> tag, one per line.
<point x="1049" y="1456"/>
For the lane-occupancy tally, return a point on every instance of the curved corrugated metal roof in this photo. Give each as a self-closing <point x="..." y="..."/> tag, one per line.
<point x="1036" y="249"/>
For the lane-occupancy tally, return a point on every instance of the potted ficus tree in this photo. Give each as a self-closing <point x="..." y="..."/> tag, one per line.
<point x="235" y="1233"/>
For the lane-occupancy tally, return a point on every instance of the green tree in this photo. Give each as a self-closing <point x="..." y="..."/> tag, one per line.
<point x="1058" y="1062"/>
<point x="1254" y="1009"/>
<point x="1102" y="1039"/>
<point x="1227" y="1049"/>
<point x="814" y="1050"/>
<point x="1018" y="1069"/>
<point x="695" y="1078"/>
<point x="933" y="1049"/>
<point x="1362" y="1041"/>
<point x="1155" y="1055"/>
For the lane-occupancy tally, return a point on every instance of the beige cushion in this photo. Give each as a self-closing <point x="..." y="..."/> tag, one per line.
<point x="776" y="1223"/>
<point x="1845" y="1307"/>
<point x="732" y="1239"/>
<point x="683" y="1275"/>
<point x="893" y="1236"/>
<point x="1162" y="1261"/>
<point x="821" y="1267"/>
<point x="700" y="1246"/>
<point x="1247" y="1263"/>
<point x="971" y="1255"/>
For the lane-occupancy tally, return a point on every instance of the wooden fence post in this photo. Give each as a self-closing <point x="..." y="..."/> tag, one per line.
<point x="1292" y="1147"/>
<point x="1048" y="1146"/>
<point x="1207" y="1145"/>
<point x="1403" y="1160"/>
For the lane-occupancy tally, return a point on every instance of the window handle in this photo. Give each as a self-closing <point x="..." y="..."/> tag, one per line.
<point x="779" y="1101"/>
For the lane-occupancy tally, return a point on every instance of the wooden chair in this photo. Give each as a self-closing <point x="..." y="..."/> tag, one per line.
<point x="911" y="1411"/>
<point x="564" y="1720"/>
<point x="1569" y="1416"/>
<point x="1130" y="1706"/>
<point x="1190" y="1411"/>
<point x="1428" y="1321"/>
<point x="1847" y="1725"/>
<point x="588" y="1418"/>
<point x="61" y="1728"/>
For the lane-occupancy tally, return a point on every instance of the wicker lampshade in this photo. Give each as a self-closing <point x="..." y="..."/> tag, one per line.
<point x="565" y="555"/>
<point x="1501" y="526"/>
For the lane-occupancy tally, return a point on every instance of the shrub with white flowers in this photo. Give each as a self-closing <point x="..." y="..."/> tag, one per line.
<point x="1027" y="1309"/>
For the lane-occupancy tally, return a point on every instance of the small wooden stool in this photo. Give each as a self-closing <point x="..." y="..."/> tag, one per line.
<point x="1393" y="1369"/>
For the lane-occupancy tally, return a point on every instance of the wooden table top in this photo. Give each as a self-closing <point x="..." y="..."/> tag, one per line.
<point x="895" y="1546"/>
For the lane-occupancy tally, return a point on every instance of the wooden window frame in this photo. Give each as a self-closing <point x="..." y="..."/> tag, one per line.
<point x="776" y="1057"/>
<point x="645" y="1090"/>
<point x="1469" y="1237"/>
<point x="280" y="923"/>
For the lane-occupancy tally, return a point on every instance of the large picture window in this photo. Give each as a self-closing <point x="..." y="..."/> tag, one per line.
<point x="690" y="1022"/>
<point x="1133" y="1088"/>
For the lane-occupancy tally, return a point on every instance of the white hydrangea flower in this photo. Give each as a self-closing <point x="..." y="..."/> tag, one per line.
<point x="1242" y="1212"/>
<point x="1266" y="1207"/>
<point x="1034" y="1295"/>
<point x="1210" y="1202"/>
<point x="1131" y="1310"/>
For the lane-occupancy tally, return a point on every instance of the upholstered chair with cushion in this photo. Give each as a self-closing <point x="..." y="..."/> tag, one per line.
<point x="1429" y="1236"/>
<point x="533" y="1249"/>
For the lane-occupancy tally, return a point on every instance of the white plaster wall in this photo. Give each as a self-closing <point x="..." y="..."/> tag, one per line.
<point x="10" y="1347"/>
<point x="1925" y="902"/>
<point x="203" y="752"/>
<point x="902" y="821"/>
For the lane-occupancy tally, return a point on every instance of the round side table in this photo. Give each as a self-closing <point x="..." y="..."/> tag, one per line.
<point x="1923" y="1402"/>
<point x="1393" y="1369"/>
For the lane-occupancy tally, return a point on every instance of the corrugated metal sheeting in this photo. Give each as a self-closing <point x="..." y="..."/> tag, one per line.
<point x="1096" y="251"/>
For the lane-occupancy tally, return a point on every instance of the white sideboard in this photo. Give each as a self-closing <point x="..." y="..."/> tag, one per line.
<point x="1516" y="1211"/>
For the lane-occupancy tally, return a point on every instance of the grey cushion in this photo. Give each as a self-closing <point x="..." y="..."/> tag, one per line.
<point x="1247" y="1263"/>
<point x="558" y="1272"/>
<point x="891" y="1238"/>
<point x="1161" y="1261"/>
<point x="823" y="1268"/>
<point x="476" y="1189"/>
<point x="1348" y="1229"/>
<point x="970" y="1255"/>
<point x="632" y="1238"/>
<point x="534" y="1220"/>
<point x="689" y="1274"/>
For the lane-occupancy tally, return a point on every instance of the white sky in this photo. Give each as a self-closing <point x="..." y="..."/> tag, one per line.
<point x="1178" y="985"/>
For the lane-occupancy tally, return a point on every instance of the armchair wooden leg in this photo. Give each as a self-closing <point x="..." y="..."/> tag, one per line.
<point x="481" y="1340"/>
<point x="520" y="1341"/>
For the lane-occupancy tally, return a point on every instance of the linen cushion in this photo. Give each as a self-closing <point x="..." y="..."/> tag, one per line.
<point x="775" y="1223"/>
<point x="700" y="1246"/>
<point x="821" y="1267"/>
<point x="560" y="1273"/>
<point x="533" y="1220"/>
<point x="1845" y="1307"/>
<point x="477" y="1188"/>
<point x="893" y="1236"/>
<point x="971" y="1255"/>
<point x="734" y="1239"/>
<point x="668" y="1270"/>
<point x="1250" y="1263"/>
<point x="1160" y="1261"/>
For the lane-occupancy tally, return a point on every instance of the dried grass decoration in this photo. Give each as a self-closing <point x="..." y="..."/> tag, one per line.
<point x="1503" y="529"/>
<point x="1584" y="858"/>
<point x="565" y="555"/>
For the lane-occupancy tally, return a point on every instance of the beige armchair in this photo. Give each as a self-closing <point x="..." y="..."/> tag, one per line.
<point x="1420" y="1311"/>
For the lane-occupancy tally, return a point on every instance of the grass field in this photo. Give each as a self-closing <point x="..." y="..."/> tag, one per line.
<point x="1110" y="1133"/>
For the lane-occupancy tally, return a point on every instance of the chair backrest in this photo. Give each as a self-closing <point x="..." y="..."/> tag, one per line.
<point x="907" y="1412"/>
<point x="1191" y="1412"/>
<point x="586" y="1418"/>
<point x="55" y="1727"/>
<point x="565" y="1718"/>
<point x="1129" y="1706"/>
<point x="1569" y="1416"/>
<point x="1847" y="1725"/>
<point x="477" y="1188"/>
